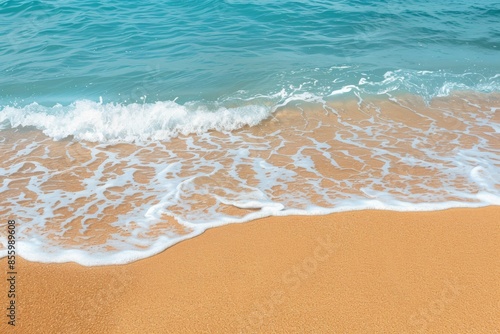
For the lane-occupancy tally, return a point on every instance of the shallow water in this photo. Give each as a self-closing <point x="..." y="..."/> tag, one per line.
<point x="101" y="203"/>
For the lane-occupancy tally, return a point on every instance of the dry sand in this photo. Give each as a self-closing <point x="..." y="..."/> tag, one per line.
<point x="354" y="272"/>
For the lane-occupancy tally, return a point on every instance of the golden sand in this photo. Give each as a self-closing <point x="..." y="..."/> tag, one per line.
<point x="354" y="272"/>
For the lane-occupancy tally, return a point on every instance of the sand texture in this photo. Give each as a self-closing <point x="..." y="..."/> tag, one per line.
<point x="353" y="272"/>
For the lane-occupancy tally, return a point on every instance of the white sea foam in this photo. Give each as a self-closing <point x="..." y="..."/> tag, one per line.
<point x="179" y="178"/>
<point x="112" y="122"/>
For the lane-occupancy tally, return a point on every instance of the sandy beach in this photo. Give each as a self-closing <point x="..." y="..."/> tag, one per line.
<point x="353" y="272"/>
<point x="250" y="167"/>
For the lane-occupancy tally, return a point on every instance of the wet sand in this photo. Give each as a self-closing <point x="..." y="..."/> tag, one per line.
<point x="104" y="198"/>
<point x="353" y="272"/>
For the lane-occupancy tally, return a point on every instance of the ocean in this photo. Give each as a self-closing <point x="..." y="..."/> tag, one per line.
<point x="127" y="127"/>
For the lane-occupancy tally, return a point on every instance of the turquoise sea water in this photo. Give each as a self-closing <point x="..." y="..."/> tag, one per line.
<point x="126" y="127"/>
<point x="124" y="51"/>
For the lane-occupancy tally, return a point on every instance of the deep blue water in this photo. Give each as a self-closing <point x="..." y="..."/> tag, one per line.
<point x="126" y="51"/>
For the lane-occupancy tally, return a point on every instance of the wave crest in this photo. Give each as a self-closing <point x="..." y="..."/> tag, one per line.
<point x="110" y="122"/>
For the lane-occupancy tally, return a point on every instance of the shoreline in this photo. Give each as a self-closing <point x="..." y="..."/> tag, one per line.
<point x="128" y="200"/>
<point x="358" y="272"/>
